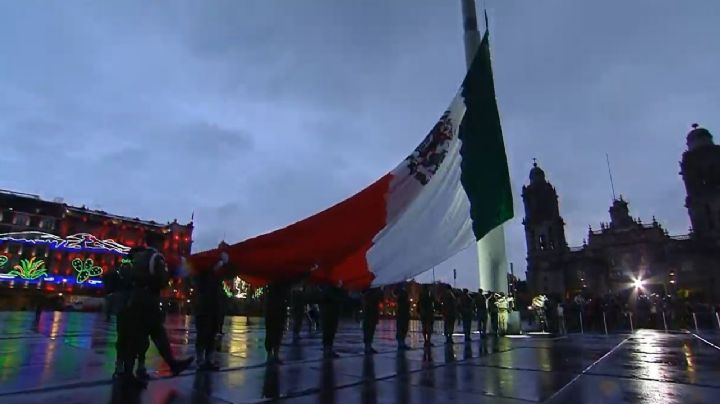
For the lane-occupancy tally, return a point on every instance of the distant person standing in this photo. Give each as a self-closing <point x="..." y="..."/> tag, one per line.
<point x="426" y="311"/>
<point x="481" y="312"/>
<point x="208" y="309"/>
<point x="371" y="315"/>
<point x="466" y="313"/>
<point x="449" y="312"/>
<point x="561" y="319"/>
<point x="402" y="317"/>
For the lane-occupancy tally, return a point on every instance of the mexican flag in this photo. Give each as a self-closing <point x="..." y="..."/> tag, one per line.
<point x="447" y="194"/>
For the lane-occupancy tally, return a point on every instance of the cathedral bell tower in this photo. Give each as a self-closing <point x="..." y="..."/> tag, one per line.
<point x="544" y="228"/>
<point x="700" y="170"/>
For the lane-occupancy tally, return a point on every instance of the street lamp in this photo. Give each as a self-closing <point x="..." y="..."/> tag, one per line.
<point x="638" y="283"/>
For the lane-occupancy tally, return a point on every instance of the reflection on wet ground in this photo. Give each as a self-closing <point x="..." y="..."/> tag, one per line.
<point x="69" y="357"/>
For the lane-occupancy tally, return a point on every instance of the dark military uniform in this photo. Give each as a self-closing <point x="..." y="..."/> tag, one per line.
<point x="481" y="311"/>
<point x="493" y="310"/>
<point x="208" y="309"/>
<point x="466" y="313"/>
<point x="371" y="316"/>
<point x="426" y="310"/>
<point x="298" y="311"/>
<point x="148" y="276"/>
<point x="449" y="312"/>
<point x="402" y="317"/>
<point x="330" y="309"/>
<point x="118" y="286"/>
<point x="276" y="302"/>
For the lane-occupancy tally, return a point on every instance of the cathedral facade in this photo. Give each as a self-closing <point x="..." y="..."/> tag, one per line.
<point x="626" y="253"/>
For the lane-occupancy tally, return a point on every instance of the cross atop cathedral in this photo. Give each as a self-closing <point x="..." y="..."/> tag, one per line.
<point x="534" y="162"/>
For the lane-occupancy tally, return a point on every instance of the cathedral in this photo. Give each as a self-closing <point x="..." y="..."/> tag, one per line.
<point x="626" y="254"/>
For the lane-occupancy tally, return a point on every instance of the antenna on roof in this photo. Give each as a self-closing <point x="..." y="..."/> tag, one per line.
<point x="612" y="185"/>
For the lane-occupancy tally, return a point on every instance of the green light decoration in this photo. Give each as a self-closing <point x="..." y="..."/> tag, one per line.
<point x="227" y="290"/>
<point x="3" y="260"/>
<point x="85" y="269"/>
<point x="29" y="269"/>
<point x="125" y="261"/>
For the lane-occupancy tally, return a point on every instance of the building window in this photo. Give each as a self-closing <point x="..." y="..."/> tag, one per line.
<point x="47" y="224"/>
<point x="542" y="243"/>
<point x="21" y="219"/>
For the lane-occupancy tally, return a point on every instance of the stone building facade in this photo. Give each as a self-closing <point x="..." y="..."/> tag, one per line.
<point x="626" y="253"/>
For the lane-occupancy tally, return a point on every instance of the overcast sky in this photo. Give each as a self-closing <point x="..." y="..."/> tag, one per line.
<point x="257" y="113"/>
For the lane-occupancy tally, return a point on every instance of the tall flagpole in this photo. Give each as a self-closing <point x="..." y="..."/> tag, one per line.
<point x="492" y="259"/>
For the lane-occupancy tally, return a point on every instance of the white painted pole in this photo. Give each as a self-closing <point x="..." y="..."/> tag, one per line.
<point x="664" y="322"/>
<point x="581" y="324"/>
<point x="717" y="317"/>
<point x="632" y="330"/>
<point x="695" y="321"/>
<point x="492" y="258"/>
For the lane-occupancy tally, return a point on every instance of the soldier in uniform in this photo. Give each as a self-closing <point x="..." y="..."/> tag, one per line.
<point x="371" y="315"/>
<point x="426" y="311"/>
<point x="449" y="312"/>
<point x="402" y="317"/>
<point x="481" y="311"/>
<point x="493" y="310"/>
<point x="298" y="305"/>
<point x="276" y="302"/>
<point x="208" y="308"/>
<point x="466" y="313"/>
<point x="149" y="275"/>
<point x="330" y="308"/>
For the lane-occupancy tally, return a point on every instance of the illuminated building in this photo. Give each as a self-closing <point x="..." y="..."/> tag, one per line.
<point x="626" y="252"/>
<point x="55" y="247"/>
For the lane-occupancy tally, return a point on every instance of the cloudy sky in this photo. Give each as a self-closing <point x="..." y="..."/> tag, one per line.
<point x="257" y="113"/>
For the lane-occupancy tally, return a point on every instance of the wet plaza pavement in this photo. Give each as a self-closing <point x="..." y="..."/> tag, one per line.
<point x="69" y="358"/>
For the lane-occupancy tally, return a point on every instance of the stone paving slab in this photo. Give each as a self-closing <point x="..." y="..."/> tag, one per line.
<point x="68" y="358"/>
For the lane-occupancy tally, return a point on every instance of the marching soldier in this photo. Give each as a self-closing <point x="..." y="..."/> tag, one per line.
<point x="371" y="315"/>
<point x="481" y="311"/>
<point x="466" y="313"/>
<point x="402" y="316"/>
<point x="449" y="311"/>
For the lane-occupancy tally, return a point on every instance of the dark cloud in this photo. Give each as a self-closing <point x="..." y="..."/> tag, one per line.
<point x="256" y="114"/>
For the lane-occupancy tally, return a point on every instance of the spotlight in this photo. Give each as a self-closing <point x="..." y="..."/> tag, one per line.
<point x="638" y="283"/>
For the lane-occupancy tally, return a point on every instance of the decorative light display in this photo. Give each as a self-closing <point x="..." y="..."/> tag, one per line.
<point x="227" y="290"/>
<point x="29" y="269"/>
<point x="76" y="242"/>
<point x="86" y="269"/>
<point x="3" y="260"/>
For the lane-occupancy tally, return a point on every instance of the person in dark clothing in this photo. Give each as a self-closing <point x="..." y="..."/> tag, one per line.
<point x="402" y="317"/>
<point x="466" y="313"/>
<point x="148" y="276"/>
<point x="298" y="305"/>
<point x="449" y="312"/>
<point x="481" y="312"/>
<point x="276" y="302"/>
<point x="371" y="315"/>
<point x="117" y="287"/>
<point x="330" y="308"/>
<point x="208" y="309"/>
<point x="426" y="312"/>
<point x="493" y="310"/>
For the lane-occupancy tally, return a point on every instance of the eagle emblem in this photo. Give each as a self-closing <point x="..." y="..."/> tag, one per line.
<point x="424" y="162"/>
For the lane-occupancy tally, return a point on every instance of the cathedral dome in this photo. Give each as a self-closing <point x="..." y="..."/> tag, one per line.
<point x="699" y="137"/>
<point x="536" y="174"/>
